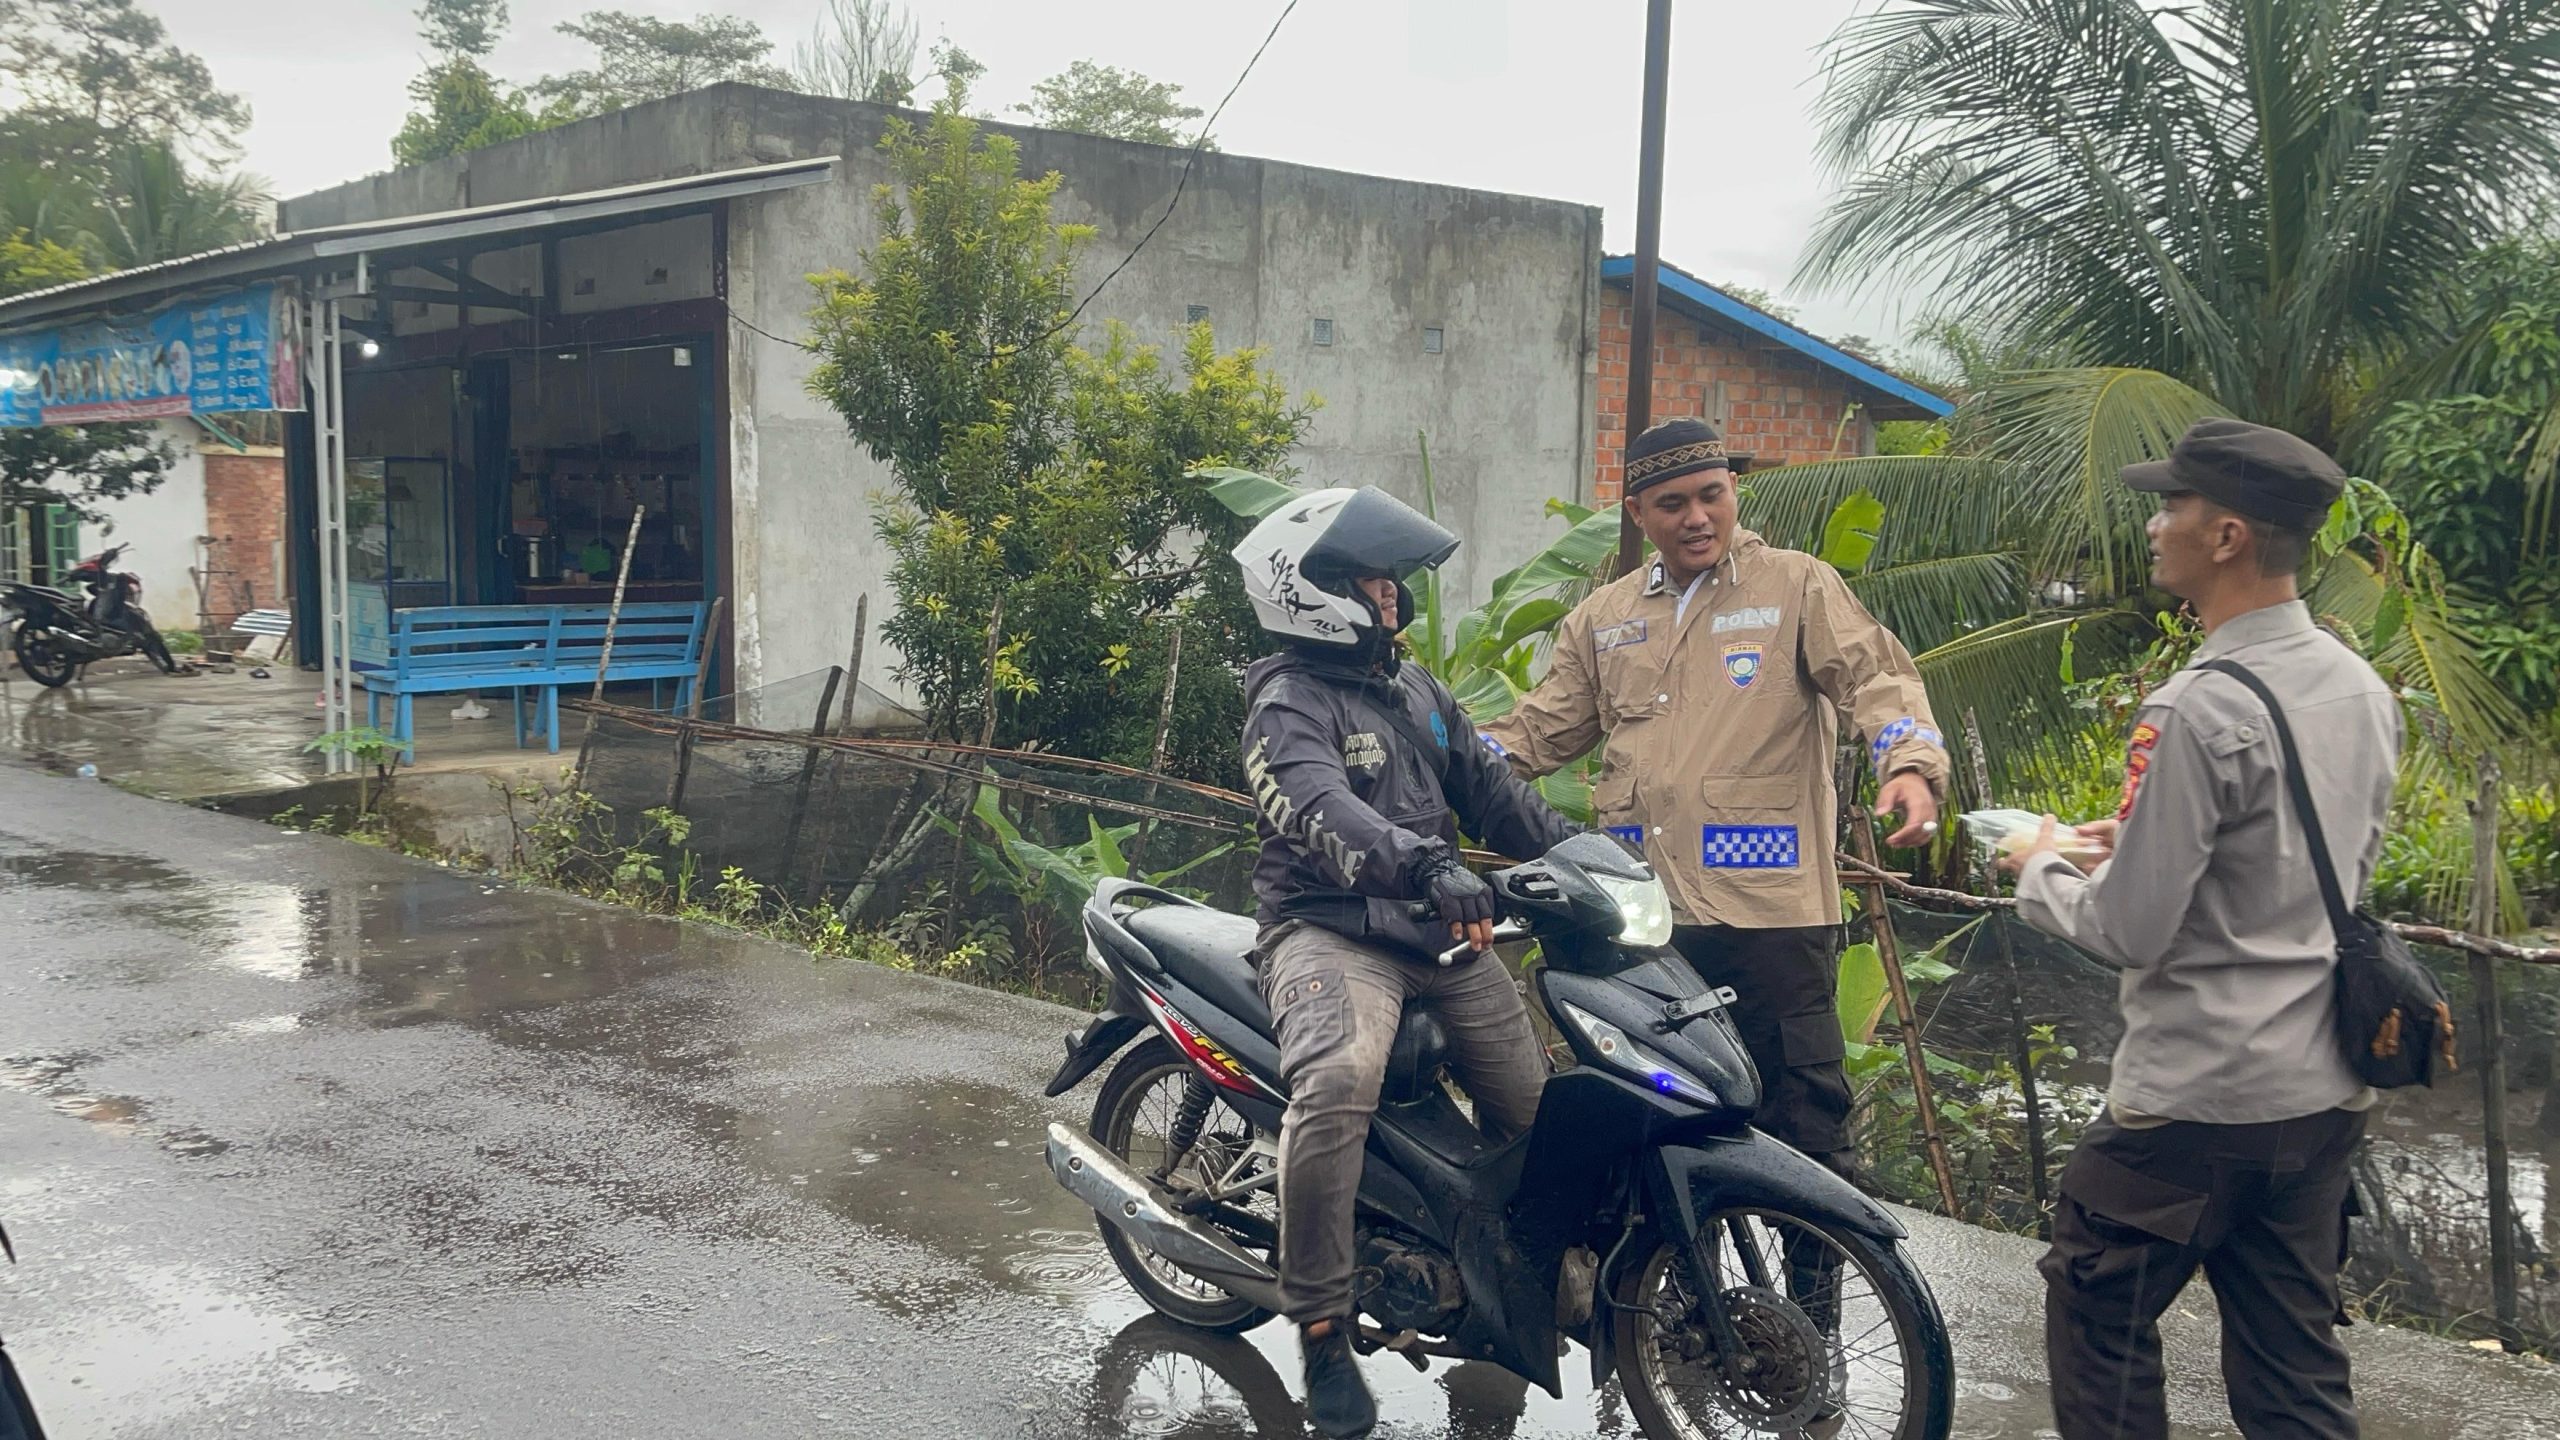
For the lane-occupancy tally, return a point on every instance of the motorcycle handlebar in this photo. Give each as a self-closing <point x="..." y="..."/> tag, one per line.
<point x="1507" y="930"/>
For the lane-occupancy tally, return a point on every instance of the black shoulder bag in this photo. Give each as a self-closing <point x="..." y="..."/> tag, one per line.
<point x="2393" y="1022"/>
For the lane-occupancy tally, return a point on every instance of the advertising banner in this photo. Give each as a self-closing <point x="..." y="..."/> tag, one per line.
<point x="237" y="351"/>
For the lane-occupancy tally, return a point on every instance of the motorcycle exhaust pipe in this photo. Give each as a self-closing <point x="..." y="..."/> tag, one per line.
<point x="73" y="644"/>
<point x="1123" y="1199"/>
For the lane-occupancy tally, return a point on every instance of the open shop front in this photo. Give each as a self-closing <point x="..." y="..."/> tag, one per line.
<point x="512" y="478"/>
<point x="484" y="397"/>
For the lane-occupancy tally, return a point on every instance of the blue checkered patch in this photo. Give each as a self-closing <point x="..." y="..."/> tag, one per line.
<point x="1890" y="736"/>
<point x="1893" y="735"/>
<point x="1632" y="834"/>
<point x="1751" y="847"/>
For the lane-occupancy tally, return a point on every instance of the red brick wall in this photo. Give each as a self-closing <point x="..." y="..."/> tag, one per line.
<point x="244" y="513"/>
<point x="1781" y="407"/>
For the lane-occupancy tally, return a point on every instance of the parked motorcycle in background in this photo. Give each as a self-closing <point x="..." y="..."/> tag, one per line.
<point x="55" y="634"/>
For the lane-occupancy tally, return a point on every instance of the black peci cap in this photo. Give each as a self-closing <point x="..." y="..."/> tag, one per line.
<point x="1672" y="449"/>
<point x="2255" y="471"/>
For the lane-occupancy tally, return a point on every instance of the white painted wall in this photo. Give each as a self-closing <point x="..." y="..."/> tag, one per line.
<point x="162" y="527"/>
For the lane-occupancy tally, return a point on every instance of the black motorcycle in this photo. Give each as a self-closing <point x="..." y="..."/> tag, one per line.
<point x="1734" y="1285"/>
<point x="57" y="634"/>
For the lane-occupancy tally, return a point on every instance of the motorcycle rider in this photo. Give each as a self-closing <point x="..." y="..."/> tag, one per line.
<point x="1364" y="771"/>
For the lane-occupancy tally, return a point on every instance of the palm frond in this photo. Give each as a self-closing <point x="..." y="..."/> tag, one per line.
<point x="2067" y="434"/>
<point x="2430" y="658"/>
<point x="2012" y="679"/>
<point x="2261" y="198"/>
<point x="1934" y="505"/>
<point x="1928" y="603"/>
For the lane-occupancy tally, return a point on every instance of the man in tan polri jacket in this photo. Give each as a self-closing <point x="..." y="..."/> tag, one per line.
<point x="1715" y="675"/>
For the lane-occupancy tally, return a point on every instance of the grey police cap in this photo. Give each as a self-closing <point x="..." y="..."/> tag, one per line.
<point x="2253" y="470"/>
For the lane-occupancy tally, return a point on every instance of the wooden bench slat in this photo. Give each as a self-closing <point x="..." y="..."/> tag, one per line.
<point x="445" y="648"/>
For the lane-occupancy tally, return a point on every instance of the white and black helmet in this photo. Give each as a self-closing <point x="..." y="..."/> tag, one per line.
<point x="1300" y="561"/>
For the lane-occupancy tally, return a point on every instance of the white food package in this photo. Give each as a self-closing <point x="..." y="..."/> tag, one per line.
<point x="2009" y="832"/>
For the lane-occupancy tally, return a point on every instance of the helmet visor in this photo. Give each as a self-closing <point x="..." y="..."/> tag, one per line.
<point x="1374" y="533"/>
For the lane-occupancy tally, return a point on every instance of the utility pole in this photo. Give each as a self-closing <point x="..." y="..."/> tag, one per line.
<point x="1657" y="85"/>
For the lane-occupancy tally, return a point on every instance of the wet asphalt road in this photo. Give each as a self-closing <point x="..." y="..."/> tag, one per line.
<point x="301" y="1138"/>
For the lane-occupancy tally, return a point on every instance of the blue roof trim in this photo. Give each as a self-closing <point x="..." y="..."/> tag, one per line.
<point x="1724" y="307"/>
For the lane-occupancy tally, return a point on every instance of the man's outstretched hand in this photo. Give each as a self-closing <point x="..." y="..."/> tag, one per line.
<point x="1918" y="804"/>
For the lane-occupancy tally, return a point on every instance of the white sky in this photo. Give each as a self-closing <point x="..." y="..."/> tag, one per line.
<point x="1535" y="97"/>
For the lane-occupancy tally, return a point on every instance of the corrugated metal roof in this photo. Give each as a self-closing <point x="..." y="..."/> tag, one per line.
<point x="280" y="253"/>
<point x="1703" y="298"/>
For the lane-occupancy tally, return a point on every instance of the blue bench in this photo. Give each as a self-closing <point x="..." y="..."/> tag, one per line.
<point x="538" y="648"/>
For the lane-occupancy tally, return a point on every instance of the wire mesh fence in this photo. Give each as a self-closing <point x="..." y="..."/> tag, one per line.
<point x="2019" y="1047"/>
<point x="964" y="858"/>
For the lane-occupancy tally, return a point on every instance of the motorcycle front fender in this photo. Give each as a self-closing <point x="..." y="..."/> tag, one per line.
<point x="1686" y="1183"/>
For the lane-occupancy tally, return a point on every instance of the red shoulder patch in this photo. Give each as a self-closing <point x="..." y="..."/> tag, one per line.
<point x="2137" y="760"/>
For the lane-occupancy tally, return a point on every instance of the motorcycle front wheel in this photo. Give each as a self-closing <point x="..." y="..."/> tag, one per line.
<point x="1842" y="1338"/>
<point x="148" y="636"/>
<point x="1137" y="1116"/>
<point x="44" y="660"/>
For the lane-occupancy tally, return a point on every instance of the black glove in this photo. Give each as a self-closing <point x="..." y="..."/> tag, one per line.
<point x="1460" y="895"/>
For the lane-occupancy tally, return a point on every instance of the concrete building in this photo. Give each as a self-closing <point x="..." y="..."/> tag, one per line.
<point x="548" y="336"/>
<point x="1408" y="308"/>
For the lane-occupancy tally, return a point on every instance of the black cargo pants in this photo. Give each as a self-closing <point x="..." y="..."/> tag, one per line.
<point x="1785" y="983"/>
<point x="2263" y="1210"/>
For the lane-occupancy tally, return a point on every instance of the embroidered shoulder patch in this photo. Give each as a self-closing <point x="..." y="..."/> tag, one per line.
<point x="1616" y="637"/>
<point x="1742" y="665"/>
<point x="2137" y="761"/>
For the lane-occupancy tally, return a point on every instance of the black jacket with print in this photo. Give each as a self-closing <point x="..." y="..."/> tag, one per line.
<point x="1353" y="806"/>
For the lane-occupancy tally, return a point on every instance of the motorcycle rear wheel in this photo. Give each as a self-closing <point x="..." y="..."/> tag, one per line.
<point x="1878" y="1365"/>
<point x="46" y="663"/>
<point x="1131" y="1118"/>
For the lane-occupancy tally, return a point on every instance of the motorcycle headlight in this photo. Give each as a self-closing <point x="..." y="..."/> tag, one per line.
<point x="1644" y="904"/>
<point x="1621" y="1052"/>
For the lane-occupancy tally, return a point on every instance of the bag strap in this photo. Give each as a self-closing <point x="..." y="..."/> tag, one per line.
<point x="2341" y="915"/>
<point x="1400" y="720"/>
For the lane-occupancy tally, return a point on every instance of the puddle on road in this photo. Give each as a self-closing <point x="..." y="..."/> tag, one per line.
<point x="169" y="1343"/>
<point x="93" y="870"/>
<point x="55" y="1078"/>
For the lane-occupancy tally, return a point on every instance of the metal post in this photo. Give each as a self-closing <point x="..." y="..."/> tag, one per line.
<point x="1862" y="843"/>
<point x="1657" y="86"/>
<point x="329" y="487"/>
<point x="2493" y="1057"/>
<point x="344" y="675"/>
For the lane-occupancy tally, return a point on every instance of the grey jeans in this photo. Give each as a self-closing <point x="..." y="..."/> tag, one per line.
<point x="1336" y="1004"/>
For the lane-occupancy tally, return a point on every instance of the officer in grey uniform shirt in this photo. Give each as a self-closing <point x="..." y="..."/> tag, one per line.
<point x="2231" y="1113"/>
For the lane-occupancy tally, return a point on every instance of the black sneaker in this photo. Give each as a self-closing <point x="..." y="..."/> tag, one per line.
<point x="1338" y="1402"/>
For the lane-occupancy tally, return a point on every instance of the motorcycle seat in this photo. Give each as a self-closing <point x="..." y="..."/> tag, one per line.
<point x="1211" y="953"/>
